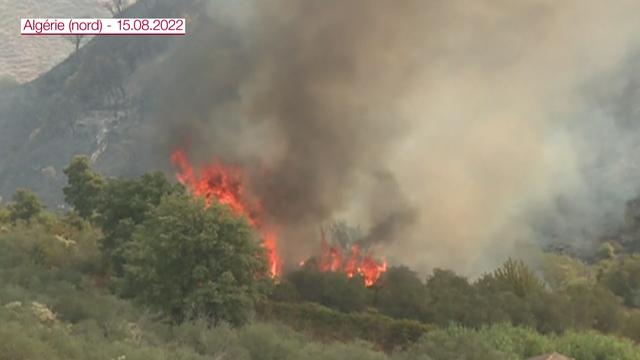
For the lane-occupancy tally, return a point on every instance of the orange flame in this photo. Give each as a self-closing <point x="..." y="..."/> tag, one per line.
<point x="223" y="183"/>
<point x="366" y="266"/>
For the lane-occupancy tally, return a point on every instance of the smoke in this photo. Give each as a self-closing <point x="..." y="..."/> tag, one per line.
<point x="445" y="128"/>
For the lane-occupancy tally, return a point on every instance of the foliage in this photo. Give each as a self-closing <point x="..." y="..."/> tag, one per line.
<point x="452" y="343"/>
<point x="448" y="299"/>
<point x="122" y="205"/>
<point x="25" y="206"/>
<point x="203" y="264"/>
<point x="333" y="289"/>
<point x="4" y="215"/>
<point x="24" y="337"/>
<point x="284" y="291"/>
<point x="324" y="323"/>
<point x="520" y="342"/>
<point x="623" y="279"/>
<point x="83" y="186"/>
<point x="606" y="251"/>
<point x="513" y="294"/>
<point x="594" y="307"/>
<point x="560" y="271"/>
<point x="591" y="345"/>
<point x="40" y="245"/>
<point x="515" y="276"/>
<point x="91" y="323"/>
<point x="632" y="325"/>
<point x="507" y="342"/>
<point x="401" y="294"/>
<point x="190" y="261"/>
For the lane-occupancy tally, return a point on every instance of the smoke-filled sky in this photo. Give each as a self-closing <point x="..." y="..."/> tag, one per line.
<point x="449" y="130"/>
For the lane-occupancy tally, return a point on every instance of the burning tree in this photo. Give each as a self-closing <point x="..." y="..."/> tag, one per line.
<point x="349" y="258"/>
<point x="224" y="184"/>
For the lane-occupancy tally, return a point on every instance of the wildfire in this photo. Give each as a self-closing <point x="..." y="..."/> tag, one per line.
<point x="223" y="183"/>
<point x="333" y="259"/>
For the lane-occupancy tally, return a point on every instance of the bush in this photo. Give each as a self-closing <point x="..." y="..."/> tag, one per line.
<point x="326" y="324"/>
<point x="508" y="342"/>
<point x="332" y="289"/>
<point x="594" y="307"/>
<point x="593" y="346"/>
<point x="45" y="245"/>
<point x="452" y="343"/>
<point x="450" y="298"/>
<point x="25" y="206"/>
<point x="623" y="279"/>
<point x="561" y="271"/>
<point x="401" y="294"/>
<point x="518" y="341"/>
<point x="84" y="186"/>
<point x="514" y="276"/>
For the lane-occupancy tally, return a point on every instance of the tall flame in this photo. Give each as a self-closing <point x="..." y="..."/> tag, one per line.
<point x="223" y="183"/>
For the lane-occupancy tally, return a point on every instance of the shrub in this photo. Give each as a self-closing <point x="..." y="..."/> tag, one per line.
<point x="25" y="206"/>
<point x="332" y="289"/>
<point x="452" y="343"/>
<point x="593" y="346"/>
<point x="324" y="323"/>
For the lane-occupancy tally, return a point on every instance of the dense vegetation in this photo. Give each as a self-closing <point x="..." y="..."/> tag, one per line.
<point x="141" y="270"/>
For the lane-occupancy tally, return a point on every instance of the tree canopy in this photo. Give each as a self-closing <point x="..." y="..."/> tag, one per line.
<point x="190" y="261"/>
<point x="83" y="187"/>
<point x="25" y="206"/>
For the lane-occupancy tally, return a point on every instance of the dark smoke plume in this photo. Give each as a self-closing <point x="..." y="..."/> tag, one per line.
<point x="466" y="107"/>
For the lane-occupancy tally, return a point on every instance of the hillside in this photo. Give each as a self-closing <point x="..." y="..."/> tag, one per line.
<point x="25" y="58"/>
<point x="63" y="297"/>
<point x="87" y="104"/>
<point x="368" y="180"/>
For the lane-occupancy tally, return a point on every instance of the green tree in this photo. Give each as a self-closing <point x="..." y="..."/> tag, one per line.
<point x="332" y="289"/>
<point x="401" y="294"/>
<point x="606" y="251"/>
<point x="83" y="187"/>
<point x="122" y="205"/>
<point x="449" y="298"/>
<point x="560" y="271"/>
<point x="595" y="307"/>
<point x="622" y="277"/>
<point x="4" y="214"/>
<point x="515" y="276"/>
<point x="195" y="262"/>
<point x="25" y="206"/>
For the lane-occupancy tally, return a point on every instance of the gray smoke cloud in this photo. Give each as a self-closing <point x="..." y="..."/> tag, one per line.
<point x="444" y="128"/>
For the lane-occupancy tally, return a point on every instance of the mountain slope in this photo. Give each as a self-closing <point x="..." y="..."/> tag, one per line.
<point x="25" y="57"/>
<point x="92" y="104"/>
